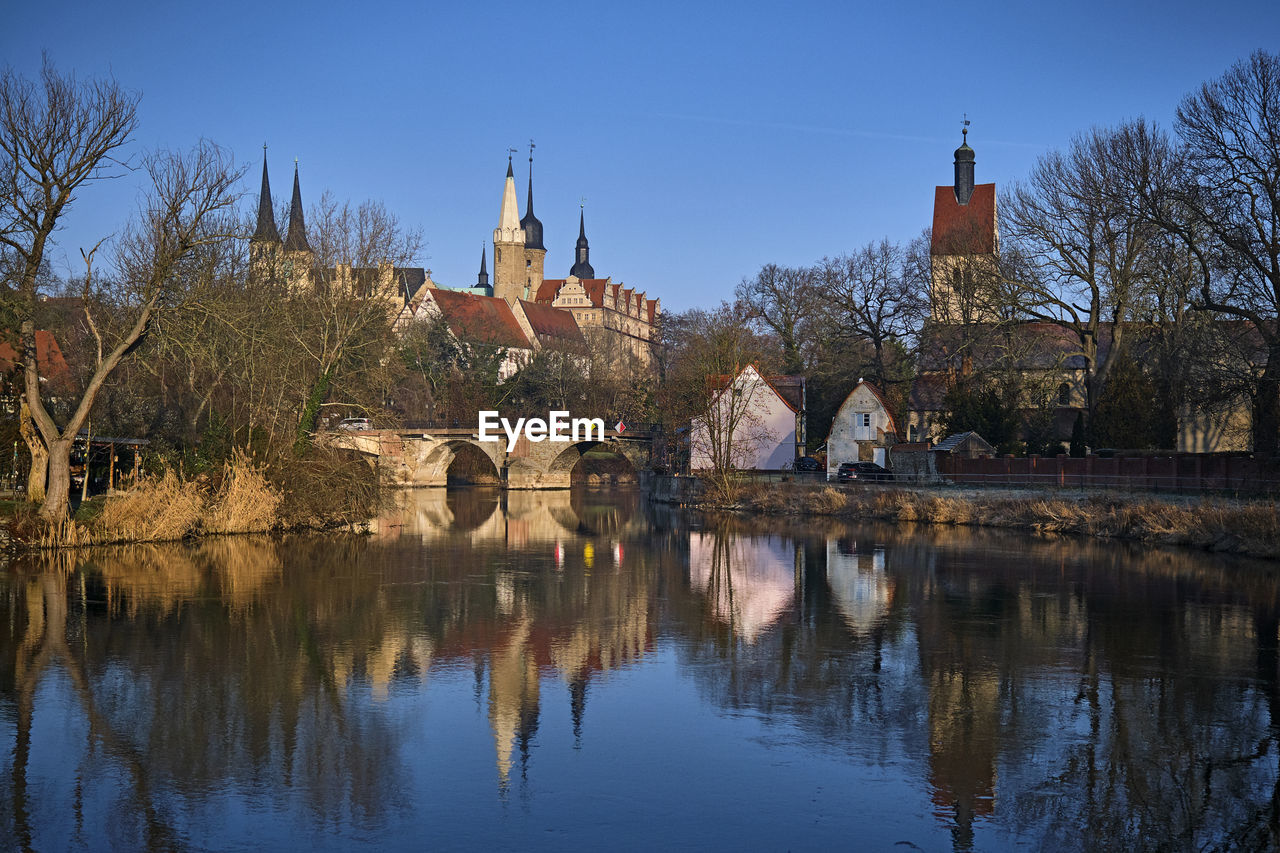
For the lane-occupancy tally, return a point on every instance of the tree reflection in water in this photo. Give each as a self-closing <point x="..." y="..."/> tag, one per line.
<point x="1053" y="692"/>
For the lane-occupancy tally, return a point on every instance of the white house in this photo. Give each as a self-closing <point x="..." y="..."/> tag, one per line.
<point x="749" y="425"/>
<point x="862" y="429"/>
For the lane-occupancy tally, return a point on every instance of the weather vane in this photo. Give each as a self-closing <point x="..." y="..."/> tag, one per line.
<point x="582" y="203"/>
<point x="510" y="153"/>
<point x="965" y="130"/>
<point x="531" y="147"/>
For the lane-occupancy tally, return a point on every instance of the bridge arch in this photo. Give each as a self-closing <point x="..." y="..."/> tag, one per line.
<point x="435" y="467"/>
<point x="567" y="461"/>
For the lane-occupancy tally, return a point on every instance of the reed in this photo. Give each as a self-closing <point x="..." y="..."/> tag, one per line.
<point x="317" y="492"/>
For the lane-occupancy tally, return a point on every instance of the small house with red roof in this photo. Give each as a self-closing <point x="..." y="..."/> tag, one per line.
<point x="863" y="429"/>
<point x="752" y="423"/>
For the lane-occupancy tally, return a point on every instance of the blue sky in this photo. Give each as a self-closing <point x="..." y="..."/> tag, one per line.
<point x="708" y="139"/>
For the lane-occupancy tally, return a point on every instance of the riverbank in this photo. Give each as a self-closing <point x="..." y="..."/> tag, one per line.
<point x="319" y="491"/>
<point x="1214" y="524"/>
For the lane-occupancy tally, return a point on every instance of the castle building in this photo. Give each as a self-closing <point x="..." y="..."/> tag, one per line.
<point x="550" y="312"/>
<point x="615" y="318"/>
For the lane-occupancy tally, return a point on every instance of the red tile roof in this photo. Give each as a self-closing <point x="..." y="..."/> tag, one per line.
<point x="485" y="319"/>
<point x="964" y="229"/>
<point x="652" y="307"/>
<point x="553" y="326"/>
<point x="50" y="362"/>
<point x="550" y="288"/>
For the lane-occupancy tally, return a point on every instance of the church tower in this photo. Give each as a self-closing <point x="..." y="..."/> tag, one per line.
<point x="582" y="252"/>
<point x="509" y="276"/>
<point x="964" y="250"/>
<point x="264" y="245"/>
<point x="535" y="252"/>
<point x="298" y="257"/>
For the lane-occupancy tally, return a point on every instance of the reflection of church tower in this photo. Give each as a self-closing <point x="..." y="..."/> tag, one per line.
<point x="298" y="256"/>
<point x="509" y="277"/>
<point x="264" y="245"/>
<point x="513" y="697"/>
<point x="578" y="703"/>
<point x="535" y="252"/>
<point x="582" y="252"/>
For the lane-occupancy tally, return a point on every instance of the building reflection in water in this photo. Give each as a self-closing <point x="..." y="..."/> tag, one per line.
<point x="1027" y="689"/>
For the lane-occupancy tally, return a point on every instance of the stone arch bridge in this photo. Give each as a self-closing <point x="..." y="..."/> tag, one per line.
<point x="423" y="457"/>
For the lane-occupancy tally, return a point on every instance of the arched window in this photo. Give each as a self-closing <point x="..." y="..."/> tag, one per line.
<point x="1064" y="394"/>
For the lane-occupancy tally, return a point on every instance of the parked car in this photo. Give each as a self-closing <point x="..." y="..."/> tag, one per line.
<point x="863" y="471"/>
<point x="355" y="424"/>
<point x="807" y="463"/>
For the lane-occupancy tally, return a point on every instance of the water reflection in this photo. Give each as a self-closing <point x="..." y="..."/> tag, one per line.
<point x="955" y="689"/>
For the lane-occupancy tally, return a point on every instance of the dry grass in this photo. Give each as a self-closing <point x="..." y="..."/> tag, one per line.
<point x="157" y="509"/>
<point x="1239" y="527"/>
<point x="245" y="497"/>
<point x="245" y="503"/>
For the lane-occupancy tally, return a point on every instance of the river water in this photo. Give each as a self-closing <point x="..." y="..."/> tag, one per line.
<point x="580" y="670"/>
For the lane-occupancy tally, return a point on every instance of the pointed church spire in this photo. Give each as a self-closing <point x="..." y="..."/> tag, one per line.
<point x="530" y="223"/>
<point x="482" y="280"/>
<point x="582" y="252"/>
<point x="266" y="232"/>
<point x="296" y="239"/>
<point x="508" y="230"/>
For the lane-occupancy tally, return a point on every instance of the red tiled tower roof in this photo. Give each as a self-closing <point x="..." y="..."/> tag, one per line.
<point x="964" y="229"/>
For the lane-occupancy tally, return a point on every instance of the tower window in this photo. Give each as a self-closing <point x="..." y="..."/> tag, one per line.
<point x="1064" y="394"/>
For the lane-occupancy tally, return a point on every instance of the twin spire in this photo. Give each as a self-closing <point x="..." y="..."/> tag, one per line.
<point x="582" y="252"/>
<point x="296" y="238"/>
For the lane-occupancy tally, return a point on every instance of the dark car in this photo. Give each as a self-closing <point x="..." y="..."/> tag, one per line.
<point x="863" y="471"/>
<point x="807" y="463"/>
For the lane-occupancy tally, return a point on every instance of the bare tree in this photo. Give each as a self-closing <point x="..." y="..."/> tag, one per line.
<point x="869" y="296"/>
<point x="781" y="300"/>
<point x="179" y="218"/>
<point x="55" y="137"/>
<point x="346" y="318"/>
<point x="1230" y="195"/>
<point x="1084" y="251"/>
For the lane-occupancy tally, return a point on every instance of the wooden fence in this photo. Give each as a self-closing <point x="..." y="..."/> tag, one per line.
<point x="1180" y="472"/>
